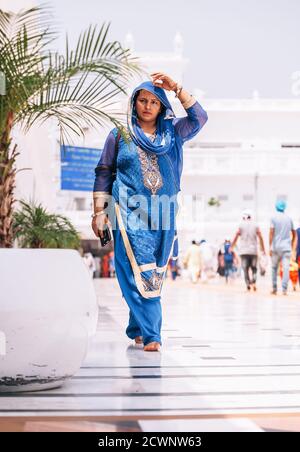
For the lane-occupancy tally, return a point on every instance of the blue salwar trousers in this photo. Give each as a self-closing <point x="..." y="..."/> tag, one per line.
<point x="145" y="314"/>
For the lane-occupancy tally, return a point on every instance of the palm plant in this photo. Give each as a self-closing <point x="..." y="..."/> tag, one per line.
<point x="213" y="202"/>
<point x="77" y="88"/>
<point x="34" y="227"/>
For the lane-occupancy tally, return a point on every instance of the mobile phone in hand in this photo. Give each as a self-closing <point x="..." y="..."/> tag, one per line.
<point x="106" y="237"/>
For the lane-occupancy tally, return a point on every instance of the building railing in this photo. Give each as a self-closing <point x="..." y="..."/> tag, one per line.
<point x="198" y="161"/>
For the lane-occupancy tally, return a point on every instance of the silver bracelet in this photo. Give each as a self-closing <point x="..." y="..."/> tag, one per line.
<point x="179" y="88"/>
<point x="96" y="214"/>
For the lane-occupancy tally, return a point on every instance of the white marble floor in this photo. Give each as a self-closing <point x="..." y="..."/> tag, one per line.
<point x="226" y="355"/>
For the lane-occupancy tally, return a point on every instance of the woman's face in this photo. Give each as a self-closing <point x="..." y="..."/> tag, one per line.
<point x="148" y="106"/>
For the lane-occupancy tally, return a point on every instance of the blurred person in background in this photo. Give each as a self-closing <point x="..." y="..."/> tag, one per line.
<point x="230" y="261"/>
<point x="248" y="232"/>
<point x="298" y="252"/>
<point x="193" y="262"/>
<point x="282" y="241"/>
<point x="90" y="263"/>
<point x="208" y="260"/>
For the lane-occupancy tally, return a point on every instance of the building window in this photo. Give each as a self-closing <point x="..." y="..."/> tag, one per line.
<point x="79" y="203"/>
<point x="282" y="197"/>
<point x="290" y="145"/>
<point x="197" y="207"/>
<point x="223" y="198"/>
<point x="248" y="197"/>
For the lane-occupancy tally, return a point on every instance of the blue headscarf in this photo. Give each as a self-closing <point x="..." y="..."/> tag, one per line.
<point x="280" y="205"/>
<point x="165" y="138"/>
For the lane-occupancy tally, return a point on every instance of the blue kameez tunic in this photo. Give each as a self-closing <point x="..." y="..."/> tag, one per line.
<point x="145" y="202"/>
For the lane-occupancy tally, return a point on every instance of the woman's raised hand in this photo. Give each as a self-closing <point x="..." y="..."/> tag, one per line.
<point x="163" y="81"/>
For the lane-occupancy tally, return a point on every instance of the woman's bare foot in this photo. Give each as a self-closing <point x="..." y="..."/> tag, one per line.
<point x="152" y="347"/>
<point x="138" y="340"/>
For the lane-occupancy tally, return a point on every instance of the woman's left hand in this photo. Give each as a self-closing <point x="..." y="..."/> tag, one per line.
<point x="165" y="81"/>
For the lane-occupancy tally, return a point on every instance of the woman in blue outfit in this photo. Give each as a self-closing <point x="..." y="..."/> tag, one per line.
<point x="148" y="164"/>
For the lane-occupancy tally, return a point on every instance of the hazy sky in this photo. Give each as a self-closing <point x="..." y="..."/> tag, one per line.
<point x="234" y="46"/>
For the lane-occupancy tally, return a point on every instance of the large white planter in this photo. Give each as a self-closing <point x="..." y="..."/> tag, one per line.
<point x="48" y="311"/>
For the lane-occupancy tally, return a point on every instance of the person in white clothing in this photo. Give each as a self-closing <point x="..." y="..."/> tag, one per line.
<point x="90" y="263"/>
<point x="208" y="260"/>
<point x="193" y="262"/>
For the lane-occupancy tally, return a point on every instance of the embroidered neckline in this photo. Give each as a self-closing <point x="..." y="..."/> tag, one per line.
<point x="150" y="169"/>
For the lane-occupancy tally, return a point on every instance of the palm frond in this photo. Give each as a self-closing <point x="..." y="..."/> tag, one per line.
<point x="34" y="227"/>
<point x="34" y="19"/>
<point x="77" y="88"/>
<point x="24" y="37"/>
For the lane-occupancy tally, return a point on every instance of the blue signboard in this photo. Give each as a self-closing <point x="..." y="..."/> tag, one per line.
<point x="78" y="167"/>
